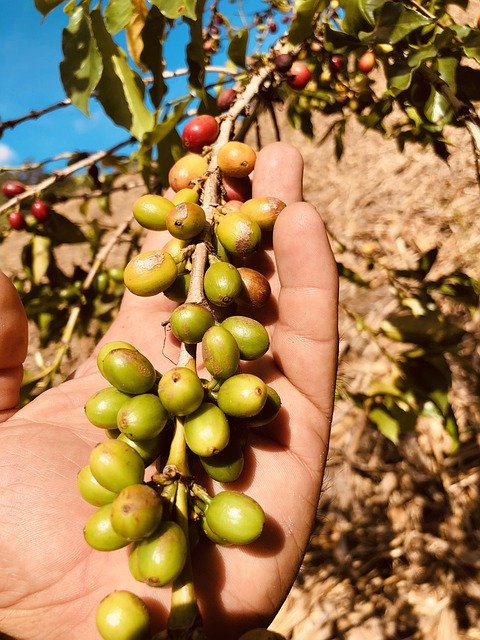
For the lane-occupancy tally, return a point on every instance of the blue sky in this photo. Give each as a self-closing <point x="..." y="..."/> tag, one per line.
<point x="30" y="53"/>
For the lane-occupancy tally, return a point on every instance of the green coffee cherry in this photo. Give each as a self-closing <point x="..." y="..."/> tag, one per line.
<point x="220" y="351"/>
<point x="186" y="220"/>
<point x="129" y="371"/>
<point x="242" y="395"/>
<point x="136" y="512"/>
<point x="210" y="535"/>
<point x="115" y="465"/>
<point x="100" y="284"/>
<point x="133" y="564"/>
<point x="206" y="430"/>
<point x="189" y="322"/>
<point x="102" y="408"/>
<point x="235" y="517"/>
<point x="222" y="284"/>
<point x="116" y="274"/>
<point x="151" y="210"/>
<point x="250" y="335"/>
<point x="180" y="391"/>
<point x="150" y="272"/>
<point x="176" y="248"/>
<point x="161" y="557"/>
<point x="100" y="534"/>
<point x="142" y="417"/>
<point x="227" y="465"/>
<point x="148" y="450"/>
<point x="219" y="250"/>
<point x="178" y="291"/>
<point x="122" y="616"/>
<point x="110" y="346"/>
<point x="269" y="412"/>
<point x="91" y="491"/>
<point x="238" y="234"/>
<point x="264" y="211"/>
<point x="185" y="195"/>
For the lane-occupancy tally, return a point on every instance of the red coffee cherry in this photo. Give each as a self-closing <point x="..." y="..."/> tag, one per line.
<point x="366" y="62"/>
<point x="40" y="210"/>
<point x="16" y="220"/>
<point x="226" y="98"/>
<point x="12" y="188"/>
<point x="199" y="132"/>
<point x="337" y="63"/>
<point x="298" y="76"/>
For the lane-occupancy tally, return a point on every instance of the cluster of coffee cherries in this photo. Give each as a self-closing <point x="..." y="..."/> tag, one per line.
<point x="182" y="419"/>
<point x="17" y="219"/>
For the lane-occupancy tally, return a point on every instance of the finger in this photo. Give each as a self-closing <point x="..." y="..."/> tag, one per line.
<point x="304" y="342"/>
<point x="278" y="172"/>
<point x="13" y="346"/>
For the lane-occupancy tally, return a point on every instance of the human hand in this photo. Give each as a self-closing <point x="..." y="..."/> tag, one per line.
<point x="51" y="581"/>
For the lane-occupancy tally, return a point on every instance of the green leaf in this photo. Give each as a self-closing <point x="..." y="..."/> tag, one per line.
<point x="437" y="108"/>
<point x="394" y="23"/>
<point x="386" y="423"/>
<point x="303" y="24"/>
<point x="195" y="53"/>
<point x="399" y="76"/>
<point x="81" y="67"/>
<point x="120" y="90"/>
<point x="471" y="45"/>
<point x="368" y="8"/>
<point x="428" y="329"/>
<point x="177" y="8"/>
<point x="354" y="20"/>
<point x="118" y="14"/>
<point x="237" y="48"/>
<point x="153" y="35"/>
<point x="45" y="6"/>
<point x="62" y="231"/>
<point x="349" y="274"/>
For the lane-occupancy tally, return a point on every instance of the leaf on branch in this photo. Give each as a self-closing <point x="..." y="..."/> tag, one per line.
<point x="153" y="35"/>
<point x="81" y="67"/>
<point x="437" y="108"/>
<point x="303" y="24"/>
<point x="118" y="14"/>
<point x="62" y="231"/>
<point x="237" y="48"/>
<point x="399" y="76"/>
<point x="369" y="7"/>
<point x="120" y="90"/>
<point x="173" y="9"/>
<point x="394" y="22"/>
<point x="354" y="20"/>
<point x="133" y="32"/>
<point x="195" y="53"/>
<point x="45" y="6"/>
<point x="471" y="45"/>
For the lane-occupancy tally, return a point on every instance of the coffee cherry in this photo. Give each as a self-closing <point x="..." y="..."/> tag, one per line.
<point x="142" y="417"/>
<point x="16" y="220"/>
<point x="100" y="284"/>
<point x="185" y="195"/>
<point x="242" y="395"/>
<point x="102" y="408"/>
<point x="133" y="564"/>
<point x="222" y="283"/>
<point x="40" y="210"/>
<point x="180" y="391"/>
<point x="283" y="62"/>
<point x="148" y="450"/>
<point x="337" y="63"/>
<point x="269" y="412"/>
<point x="232" y="205"/>
<point x="91" y="491"/>
<point x="186" y="170"/>
<point x="150" y="272"/>
<point x="151" y="210"/>
<point x="236" y="159"/>
<point x="186" y="220"/>
<point x="99" y="533"/>
<point x="129" y="371"/>
<point x="115" y="465"/>
<point x="12" y="188"/>
<point x="299" y="75"/>
<point x="238" y="234"/>
<point x="200" y="132"/>
<point x="116" y="274"/>
<point x="226" y="98"/>
<point x="256" y="289"/>
<point x="227" y="465"/>
<point x="136" y="512"/>
<point x="220" y="352"/>
<point x="366" y="62"/>
<point x="190" y="321"/>
<point x="237" y="188"/>
<point x="206" y="430"/>
<point x="161" y="557"/>
<point x="122" y="616"/>
<point x="235" y="517"/>
<point x="264" y="211"/>
<point x="110" y="346"/>
<point x="261" y="634"/>
<point x="250" y="335"/>
<point x="178" y="291"/>
<point x="210" y="535"/>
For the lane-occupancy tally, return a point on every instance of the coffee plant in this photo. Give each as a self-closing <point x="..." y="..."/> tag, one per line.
<point x="363" y="59"/>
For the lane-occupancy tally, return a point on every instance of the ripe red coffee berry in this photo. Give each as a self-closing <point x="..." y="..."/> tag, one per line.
<point x="298" y="76"/>
<point x="337" y="63"/>
<point x="283" y="62"/>
<point x="200" y="132"/>
<point x="40" y="210"/>
<point x="226" y="98"/>
<point x="12" y="188"/>
<point x="16" y="220"/>
<point x="366" y="62"/>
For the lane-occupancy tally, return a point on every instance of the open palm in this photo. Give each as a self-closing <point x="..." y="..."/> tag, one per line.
<point x="51" y="581"/>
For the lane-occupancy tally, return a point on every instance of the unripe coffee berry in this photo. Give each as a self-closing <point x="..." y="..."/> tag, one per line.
<point x="161" y="557"/>
<point x="220" y="352"/>
<point x="142" y="417"/>
<point x="136" y="512"/>
<point x="242" y="395"/>
<point x="91" y="491"/>
<point x="235" y="517"/>
<point x="180" y="391"/>
<point x="222" y="283"/>
<point x="122" y="616"/>
<point x="190" y="321"/>
<point x="128" y="371"/>
<point x="150" y="272"/>
<point x="238" y="234"/>
<point x="110" y="346"/>
<point x="115" y="465"/>
<point x="99" y="533"/>
<point x="103" y="406"/>
<point x="236" y="159"/>
<point x="151" y="210"/>
<point x="251" y="336"/>
<point x="206" y="430"/>
<point x="186" y="220"/>
<point x="264" y="211"/>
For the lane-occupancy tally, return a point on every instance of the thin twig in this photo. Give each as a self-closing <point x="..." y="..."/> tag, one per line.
<point x="60" y="174"/>
<point x="36" y="113"/>
<point x="273" y="115"/>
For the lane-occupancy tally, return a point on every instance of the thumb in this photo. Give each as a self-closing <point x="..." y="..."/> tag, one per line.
<point x="13" y="346"/>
